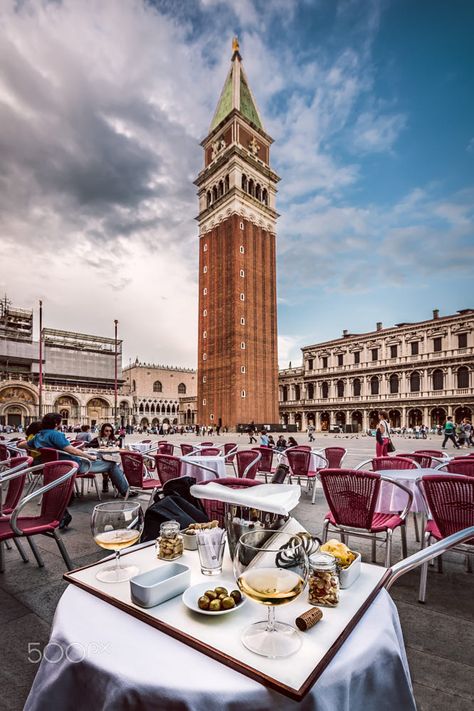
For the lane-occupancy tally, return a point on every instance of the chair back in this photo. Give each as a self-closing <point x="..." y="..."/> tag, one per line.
<point x="55" y="501"/>
<point x="424" y="460"/>
<point x="383" y="463"/>
<point x="351" y="495"/>
<point x="265" y="463"/>
<point x="460" y="465"/>
<point x="207" y="444"/>
<point x="304" y="447"/>
<point x="186" y="449"/>
<point x="133" y="466"/>
<point x="4" y="453"/>
<point x="334" y="456"/>
<point x="48" y="454"/>
<point x="165" y="448"/>
<point x="437" y="453"/>
<point x="167" y="467"/>
<point x="148" y="441"/>
<point x="228" y="447"/>
<point x="15" y="485"/>
<point x="210" y="452"/>
<point x="450" y="500"/>
<point x="299" y="460"/>
<point x="78" y="443"/>
<point x="215" y="509"/>
<point x="247" y="463"/>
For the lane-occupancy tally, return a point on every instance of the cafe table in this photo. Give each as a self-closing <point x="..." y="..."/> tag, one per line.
<point x="100" y="657"/>
<point x="392" y="499"/>
<point x="190" y="467"/>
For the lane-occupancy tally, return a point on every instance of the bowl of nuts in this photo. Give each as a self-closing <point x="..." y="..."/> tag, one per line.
<point x="219" y="600"/>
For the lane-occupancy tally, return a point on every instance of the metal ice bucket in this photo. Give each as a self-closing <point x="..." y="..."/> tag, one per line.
<point x="242" y="519"/>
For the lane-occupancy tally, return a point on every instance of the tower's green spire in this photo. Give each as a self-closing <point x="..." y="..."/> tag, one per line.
<point x="236" y="93"/>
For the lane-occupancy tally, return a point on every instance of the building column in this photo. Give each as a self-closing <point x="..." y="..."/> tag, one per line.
<point x="426" y="416"/>
<point x="365" y="420"/>
<point x="304" y="424"/>
<point x="403" y="420"/>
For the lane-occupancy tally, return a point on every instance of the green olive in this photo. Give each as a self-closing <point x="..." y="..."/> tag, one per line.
<point x="221" y="591"/>
<point x="203" y="602"/>
<point x="227" y="603"/>
<point x="215" y="605"/>
<point x="222" y="596"/>
<point x="236" y="595"/>
<point x="210" y="594"/>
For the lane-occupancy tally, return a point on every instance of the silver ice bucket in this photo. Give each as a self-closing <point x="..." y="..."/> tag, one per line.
<point x="242" y="519"/>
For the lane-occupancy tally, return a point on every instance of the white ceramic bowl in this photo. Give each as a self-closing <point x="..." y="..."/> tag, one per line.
<point x="192" y="595"/>
<point x="160" y="584"/>
<point x="349" y="575"/>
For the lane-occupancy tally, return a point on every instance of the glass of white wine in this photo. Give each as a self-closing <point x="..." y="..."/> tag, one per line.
<point x="271" y="568"/>
<point x="117" y="525"/>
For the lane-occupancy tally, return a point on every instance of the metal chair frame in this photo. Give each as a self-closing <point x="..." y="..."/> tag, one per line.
<point x="249" y="467"/>
<point x="310" y="480"/>
<point x="369" y="461"/>
<point x="346" y="531"/>
<point x="13" y="519"/>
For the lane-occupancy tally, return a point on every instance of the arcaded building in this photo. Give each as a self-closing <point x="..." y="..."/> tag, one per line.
<point x="237" y="349"/>
<point x="420" y="373"/>
<point x="161" y="394"/>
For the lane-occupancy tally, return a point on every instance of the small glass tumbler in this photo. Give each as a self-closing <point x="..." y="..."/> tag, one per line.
<point x="211" y="553"/>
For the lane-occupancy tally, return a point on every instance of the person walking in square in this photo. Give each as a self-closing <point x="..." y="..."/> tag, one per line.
<point x="382" y="435"/>
<point x="449" y="433"/>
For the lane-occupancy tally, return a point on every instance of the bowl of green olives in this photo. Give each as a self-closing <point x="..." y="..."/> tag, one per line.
<point x="218" y="600"/>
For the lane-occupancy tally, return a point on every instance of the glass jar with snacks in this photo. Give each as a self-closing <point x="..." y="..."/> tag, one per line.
<point x="169" y="545"/>
<point x="323" y="581"/>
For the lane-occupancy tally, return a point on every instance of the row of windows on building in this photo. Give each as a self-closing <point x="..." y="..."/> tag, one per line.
<point x="158" y="409"/>
<point x="158" y="387"/>
<point x="249" y="185"/>
<point x="393" y="351"/>
<point x="437" y="382"/>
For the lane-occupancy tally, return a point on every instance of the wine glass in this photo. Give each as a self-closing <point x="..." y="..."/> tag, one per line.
<point x="272" y="569"/>
<point x="117" y="525"/>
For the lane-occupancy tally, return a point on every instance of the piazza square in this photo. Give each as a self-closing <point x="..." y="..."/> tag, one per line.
<point x="236" y="356"/>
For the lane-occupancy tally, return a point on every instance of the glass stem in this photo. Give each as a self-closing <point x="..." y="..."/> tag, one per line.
<point x="117" y="561"/>
<point x="271" y="619"/>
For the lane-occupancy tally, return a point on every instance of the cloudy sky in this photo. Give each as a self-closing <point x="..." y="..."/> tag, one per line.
<point x="103" y="105"/>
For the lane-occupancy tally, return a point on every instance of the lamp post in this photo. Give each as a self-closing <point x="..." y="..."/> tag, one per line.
<point x="40" y="387"/>
<point x="116" y="374"/>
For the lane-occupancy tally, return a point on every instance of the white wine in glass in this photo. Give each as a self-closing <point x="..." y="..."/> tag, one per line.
<point x="271" y="568"/>
<point x="115" y="526"/>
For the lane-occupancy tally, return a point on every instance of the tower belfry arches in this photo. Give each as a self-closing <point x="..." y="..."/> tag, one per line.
<point x="237" y="367"/>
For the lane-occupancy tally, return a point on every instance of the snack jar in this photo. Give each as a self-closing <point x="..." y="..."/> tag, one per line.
<point x="323" y="581"/>
<point x="169" y="545"/>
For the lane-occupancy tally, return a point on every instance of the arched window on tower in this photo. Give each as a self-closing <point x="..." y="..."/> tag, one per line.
<point x="244" y="182"/>
<point x="208" y="198"/>
<point x="214" y="193"/>
<point x="251" y="187"/>
<point x="220" y="191"/>
<point x="258" y="192"/>
<point x="264" y="196"/>
<point x="157" y="387"/>
<point x="182" y="389"/>
<point x="463" y="377"/>
<point x="226" y="184"/>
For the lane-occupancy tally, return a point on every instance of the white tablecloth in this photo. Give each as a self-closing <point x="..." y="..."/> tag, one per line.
<point x="141" y="447"/>
<point x="392" y="499"/>
<point x="217" y="464"/>
<point x="102" y="658"/>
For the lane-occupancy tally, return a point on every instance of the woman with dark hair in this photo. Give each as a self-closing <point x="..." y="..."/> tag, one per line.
<point x="382" y="435"/>
<point x="105" y="438"/>
<point x="292" y="442"/>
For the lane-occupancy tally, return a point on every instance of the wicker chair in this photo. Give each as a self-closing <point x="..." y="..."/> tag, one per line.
<point x="246" y="462"/>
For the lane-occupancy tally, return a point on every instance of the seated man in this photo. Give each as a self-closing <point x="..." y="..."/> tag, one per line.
<point x="50" y="437"/>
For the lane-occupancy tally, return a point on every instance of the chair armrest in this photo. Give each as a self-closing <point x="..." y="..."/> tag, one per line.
<point x="362" y="465"/>
<point x="427" y="554"/>
<point x="441" y="466"/>
<point x="39" y="492"/>
<point x="258" y="457"/>
<point x="14" y="472"/>
<point x="231" y="452"/>
<point x="407" y="491"/>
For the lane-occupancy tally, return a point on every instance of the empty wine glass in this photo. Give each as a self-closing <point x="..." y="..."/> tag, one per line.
<point x="117" y="525"/>
<point x="272" y="569"/>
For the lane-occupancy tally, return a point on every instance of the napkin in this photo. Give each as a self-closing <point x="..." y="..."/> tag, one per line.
<point x="274" y="498"/>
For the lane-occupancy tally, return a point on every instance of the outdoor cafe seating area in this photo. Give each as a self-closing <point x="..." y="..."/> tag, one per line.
<point x="231" y="493"/>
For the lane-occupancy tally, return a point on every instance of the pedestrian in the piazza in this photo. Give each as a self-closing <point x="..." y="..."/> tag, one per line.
<point x="449" y="433"/>
<point x="382" y="435"/>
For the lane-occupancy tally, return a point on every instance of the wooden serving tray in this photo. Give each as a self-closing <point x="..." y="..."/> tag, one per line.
<point x="219" y="637"/>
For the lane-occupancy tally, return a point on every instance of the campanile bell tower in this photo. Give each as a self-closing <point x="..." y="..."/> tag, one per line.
<point x="237" y="366"/>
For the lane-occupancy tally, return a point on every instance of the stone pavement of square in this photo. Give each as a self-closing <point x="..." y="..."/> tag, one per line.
<point x="439" y="636"/>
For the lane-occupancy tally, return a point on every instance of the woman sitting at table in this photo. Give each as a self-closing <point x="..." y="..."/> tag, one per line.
<point x="292" y="442"/>
<point x="281" y="444"/>
<point x="105" y="438"/>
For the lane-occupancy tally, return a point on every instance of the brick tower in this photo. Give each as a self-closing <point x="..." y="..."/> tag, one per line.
<point x="237" y="353"/>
